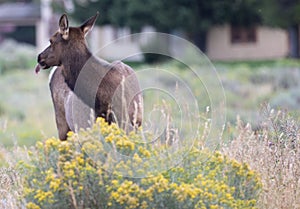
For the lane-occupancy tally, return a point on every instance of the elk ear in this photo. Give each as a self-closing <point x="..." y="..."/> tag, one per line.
<point x="64" y="26"/>
<point x="89" y="24"/>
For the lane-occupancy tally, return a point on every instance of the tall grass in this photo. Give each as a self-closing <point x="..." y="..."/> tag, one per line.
<point x="273" y="151"/>
<point x="11" y="178"/>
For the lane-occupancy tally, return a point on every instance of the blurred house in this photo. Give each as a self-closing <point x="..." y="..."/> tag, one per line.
<point x="246" y="43"/>
<point x="113" y="43"/>
<point x="28" y="22"/>
<point x="222" y="42"/>
<point x="19" y="21"/>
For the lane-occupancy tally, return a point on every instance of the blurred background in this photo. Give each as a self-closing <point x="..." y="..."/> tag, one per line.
<point x="253" y="44"/>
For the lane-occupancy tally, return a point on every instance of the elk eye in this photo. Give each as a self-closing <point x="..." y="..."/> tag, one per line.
<point x="51" y="41"/>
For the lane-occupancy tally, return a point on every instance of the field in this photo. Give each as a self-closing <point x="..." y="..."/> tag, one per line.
<point x="26" y="111"/>
<point x="261" y="128"/>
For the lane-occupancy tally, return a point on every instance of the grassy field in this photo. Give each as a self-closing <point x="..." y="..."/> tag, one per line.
<point x="254" y="134"/>
<point x="26" y="111"/>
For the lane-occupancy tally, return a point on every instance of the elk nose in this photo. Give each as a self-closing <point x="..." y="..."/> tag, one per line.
<point x="39" y="58"/>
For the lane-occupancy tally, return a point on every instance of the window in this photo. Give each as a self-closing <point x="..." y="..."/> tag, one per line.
<point x="240" y="34"/>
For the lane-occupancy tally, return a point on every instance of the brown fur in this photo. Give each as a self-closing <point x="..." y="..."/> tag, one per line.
<point x="110" y="89"/>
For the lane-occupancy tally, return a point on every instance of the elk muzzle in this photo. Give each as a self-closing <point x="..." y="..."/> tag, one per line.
<point x="41" y="63"/>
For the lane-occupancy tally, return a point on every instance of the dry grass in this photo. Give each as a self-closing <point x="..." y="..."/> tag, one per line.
<point x="10" y="188"/>
<point x="11" y="177"/>
<point x="274" y="152"/>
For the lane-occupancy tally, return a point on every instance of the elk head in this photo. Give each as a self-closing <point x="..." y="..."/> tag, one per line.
<point x="66" y="45"/>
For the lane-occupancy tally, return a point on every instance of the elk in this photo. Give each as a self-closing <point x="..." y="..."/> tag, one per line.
<point x="82" y="81"/>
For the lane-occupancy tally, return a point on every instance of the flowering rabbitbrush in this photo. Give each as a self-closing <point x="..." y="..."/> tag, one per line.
<point x="62" y="175"/>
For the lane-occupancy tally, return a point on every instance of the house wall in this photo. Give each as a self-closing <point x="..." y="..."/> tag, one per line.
<point x="114" y="44"/>
<point x="270" y="43"/>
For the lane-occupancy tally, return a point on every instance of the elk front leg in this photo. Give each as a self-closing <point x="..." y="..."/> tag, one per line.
<point x="62" y="125"/>
<point x="59" y="91"/>
<point x="60" y="118"/>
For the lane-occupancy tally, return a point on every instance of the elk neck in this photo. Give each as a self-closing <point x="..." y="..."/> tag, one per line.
<point x="73" y="64"/>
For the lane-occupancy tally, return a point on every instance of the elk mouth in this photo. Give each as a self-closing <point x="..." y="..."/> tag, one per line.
<point x="41" y="65"/>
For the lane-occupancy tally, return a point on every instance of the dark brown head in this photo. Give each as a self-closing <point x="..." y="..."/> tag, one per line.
<point x="66" y="43"/>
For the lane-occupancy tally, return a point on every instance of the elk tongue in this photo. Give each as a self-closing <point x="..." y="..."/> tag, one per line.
<point x="37" y="68"/>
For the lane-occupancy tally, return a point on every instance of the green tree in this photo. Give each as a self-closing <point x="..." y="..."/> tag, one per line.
<point x="195" y="17"/>
<point x="284" y="14"/>
<point x="192" y="16"/>
<point x="85" y="9"/>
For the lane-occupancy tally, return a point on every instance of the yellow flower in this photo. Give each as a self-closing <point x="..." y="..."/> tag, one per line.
<point x="31" y="205"/>
<point x="144" y="205"/>
<point x="120" y="190"/>
<point x="137" y="158"/>
<point x="115" y="195"/>
<point x="144" y="152"/>
<point x="228" y="196"/>
<point x="34" y="181"/>
<point x="70" y="133"/>
<point x="131" y="145"/>
<point x="149" y="193"/>
<point x="52" y="143"/>
<point x="130" y="173"/>
<point x="115" y="182"/>
<point x="133" y="202"/>
<point x="118" y="132"/>
<point x="55" y="184"/>
<point x="43" y="196"/>
<point x="28" y="191"/>
<point x="80" y="160"/>
<point x="109" y="138"/>
<point x="100" y="120"/>
<point x="49" y="175"/>
<point x="39" y="145"/>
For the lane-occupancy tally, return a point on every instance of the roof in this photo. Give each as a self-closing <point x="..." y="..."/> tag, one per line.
<point x="19" y="13"/>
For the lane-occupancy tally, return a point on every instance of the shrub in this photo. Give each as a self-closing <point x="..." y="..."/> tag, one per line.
<point x="263" y="76"/>
<point x="289" y="99"/>
<point x="286" y="78"/>
<point x="91" y="172"/>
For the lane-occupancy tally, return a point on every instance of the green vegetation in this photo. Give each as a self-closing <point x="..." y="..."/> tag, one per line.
<point x="14" y="56"/>
<point x="256" y="64"/>
<point x="26" y="112"/>
<point x="255" y="166"/>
